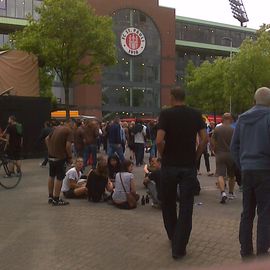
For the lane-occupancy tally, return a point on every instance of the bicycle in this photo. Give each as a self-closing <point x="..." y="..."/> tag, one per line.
<point x="8" y="179"/>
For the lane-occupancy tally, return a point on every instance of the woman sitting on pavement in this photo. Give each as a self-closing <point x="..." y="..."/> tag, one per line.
<point x="73" y="186"/>
<point x="98" y="182"/>
<point x="114" y="167"/>
<point x="152" y="181"/>
<point x="124" y="183"/>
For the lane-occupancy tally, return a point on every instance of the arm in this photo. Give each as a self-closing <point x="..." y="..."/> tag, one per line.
<point x="203" y="142"/>
<point x="213" y="142"/>
<point x="160" y="141"/>
<point x="69" y="151"/>
<point x="109" y="186"/>
<point x="132" y="186"/>
<point x="145" y="169"/>
<point x="235" y="146"/>
<point x="73" y="184"/>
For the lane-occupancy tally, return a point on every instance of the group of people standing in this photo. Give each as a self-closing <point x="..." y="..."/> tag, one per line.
<point x="247" y="146"/>
<point x="80" y="140"/>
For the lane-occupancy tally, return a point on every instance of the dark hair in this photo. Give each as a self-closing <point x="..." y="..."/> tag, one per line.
<point x="102" y="168"/>
<point x="125" y="164"/>
<point x="178" y="93"/>
<point x="114" y="170"/>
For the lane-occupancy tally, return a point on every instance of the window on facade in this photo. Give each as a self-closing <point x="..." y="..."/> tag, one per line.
<point x="20" y="9"/>
<point x="3" y="4"/>
<point x="11" y="8"/>
<point x="134" y="83"/>
<point x="28" y="8"/>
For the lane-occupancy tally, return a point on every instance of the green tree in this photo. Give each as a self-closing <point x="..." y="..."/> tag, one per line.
<point x="249" y="71"/>
<point x="69" y="40"/>
<point x="213" y="86"/>
<point x="205" y="86"/>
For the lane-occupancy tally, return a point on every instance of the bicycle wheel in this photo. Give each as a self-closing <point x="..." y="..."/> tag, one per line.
<point x="9" y="180"/>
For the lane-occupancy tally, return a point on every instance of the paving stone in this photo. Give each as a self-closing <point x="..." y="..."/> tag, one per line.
<point x="83" y="235"/>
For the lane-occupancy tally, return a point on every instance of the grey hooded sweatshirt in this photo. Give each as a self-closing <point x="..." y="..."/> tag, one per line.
<point x="250" y="146"/>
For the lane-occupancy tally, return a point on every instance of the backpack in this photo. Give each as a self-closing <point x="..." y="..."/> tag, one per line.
<point x="19" y="129"/>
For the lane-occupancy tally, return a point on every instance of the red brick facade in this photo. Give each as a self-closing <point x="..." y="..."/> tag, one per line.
<point x="88" y="98"/>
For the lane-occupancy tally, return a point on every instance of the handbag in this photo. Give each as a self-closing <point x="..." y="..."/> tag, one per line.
<point x="131" y="200"/>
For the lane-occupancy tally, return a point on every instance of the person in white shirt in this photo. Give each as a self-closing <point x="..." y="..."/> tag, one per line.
<point x="139" y="140"/>
<point x="73" y="186"/>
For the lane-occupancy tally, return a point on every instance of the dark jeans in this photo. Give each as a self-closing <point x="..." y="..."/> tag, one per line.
<point x="139" y="153"/>
<point x="256" y="193"/>
<point x="178" y="228"/>
<point x="206" y="161"/>
<point x="90" y="149"/>
<point x="116" y="148"/>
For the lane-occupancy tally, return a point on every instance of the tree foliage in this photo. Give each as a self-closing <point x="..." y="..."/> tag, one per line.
<point x="211" y="86"/>
<point x="70" y="40"/>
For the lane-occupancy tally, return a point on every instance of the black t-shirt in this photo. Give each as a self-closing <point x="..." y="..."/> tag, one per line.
<point x="181" y="124"/>
<point x="14" y="138"/>
<point x="96" y="185"/>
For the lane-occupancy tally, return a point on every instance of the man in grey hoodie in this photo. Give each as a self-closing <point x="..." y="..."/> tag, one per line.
<point x="250" y="148"/>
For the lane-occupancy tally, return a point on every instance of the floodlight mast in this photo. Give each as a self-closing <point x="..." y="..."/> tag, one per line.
<point x="239" y="11"/>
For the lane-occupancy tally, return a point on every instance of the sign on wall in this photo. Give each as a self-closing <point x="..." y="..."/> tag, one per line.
<point x="133" y="41"/>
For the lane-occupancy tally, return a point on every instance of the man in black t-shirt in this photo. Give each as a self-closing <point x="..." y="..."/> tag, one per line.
<point x="176" y="142"/>
<point x="14" y="143"/>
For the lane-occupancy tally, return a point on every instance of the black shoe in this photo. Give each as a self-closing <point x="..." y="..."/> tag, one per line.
<point x="179" y="256"/>
<point x="50" y="200"/>
<point x="60" y="202"/>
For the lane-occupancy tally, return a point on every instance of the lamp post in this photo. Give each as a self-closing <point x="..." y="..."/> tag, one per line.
<point x="231" y="48"/>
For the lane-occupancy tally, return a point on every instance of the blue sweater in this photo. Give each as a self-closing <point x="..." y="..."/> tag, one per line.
<point x="250" y="144"/>
<point x="115" y="134"/>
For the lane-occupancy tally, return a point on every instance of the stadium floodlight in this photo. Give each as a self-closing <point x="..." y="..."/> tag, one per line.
<point x="239" y="11"/>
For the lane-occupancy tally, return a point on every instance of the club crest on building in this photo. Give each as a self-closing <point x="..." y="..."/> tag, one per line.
<point x="133" y="41"/>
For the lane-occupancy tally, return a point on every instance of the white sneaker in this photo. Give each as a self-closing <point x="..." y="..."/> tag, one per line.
<point x="223" y="198"/>
<point x="231" y="196"/>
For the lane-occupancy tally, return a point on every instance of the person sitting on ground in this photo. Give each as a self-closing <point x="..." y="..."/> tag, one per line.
<point x="148" y="168"/>
<point x="98" y="182"/>
<point x="152" y="181"/>
<point x="124" y="183"/>
<point x="73" y="186"/>
<point x="114" y="167"/>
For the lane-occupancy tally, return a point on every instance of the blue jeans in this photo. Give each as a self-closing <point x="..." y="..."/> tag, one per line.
<point x="256" y="193"/>
<point x="153" y="150"/>
<point x="90" y="149"/>
<point x="116" y="148"/>
<point x="178" y="227"/>
<point x="139" y="153"/>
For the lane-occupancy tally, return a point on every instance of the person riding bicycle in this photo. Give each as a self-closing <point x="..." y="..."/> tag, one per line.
<point x="14" y="139"/>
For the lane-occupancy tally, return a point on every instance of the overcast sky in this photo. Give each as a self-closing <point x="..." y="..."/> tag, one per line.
<point x="258" y="11"/>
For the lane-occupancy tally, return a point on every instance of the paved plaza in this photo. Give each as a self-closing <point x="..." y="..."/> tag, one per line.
<point x="83" y="235"/>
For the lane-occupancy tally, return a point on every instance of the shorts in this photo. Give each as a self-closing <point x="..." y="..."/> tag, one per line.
<point x="57" y="169"/>
<point x="225" y="165"/>
<point x="69" y="194"/>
